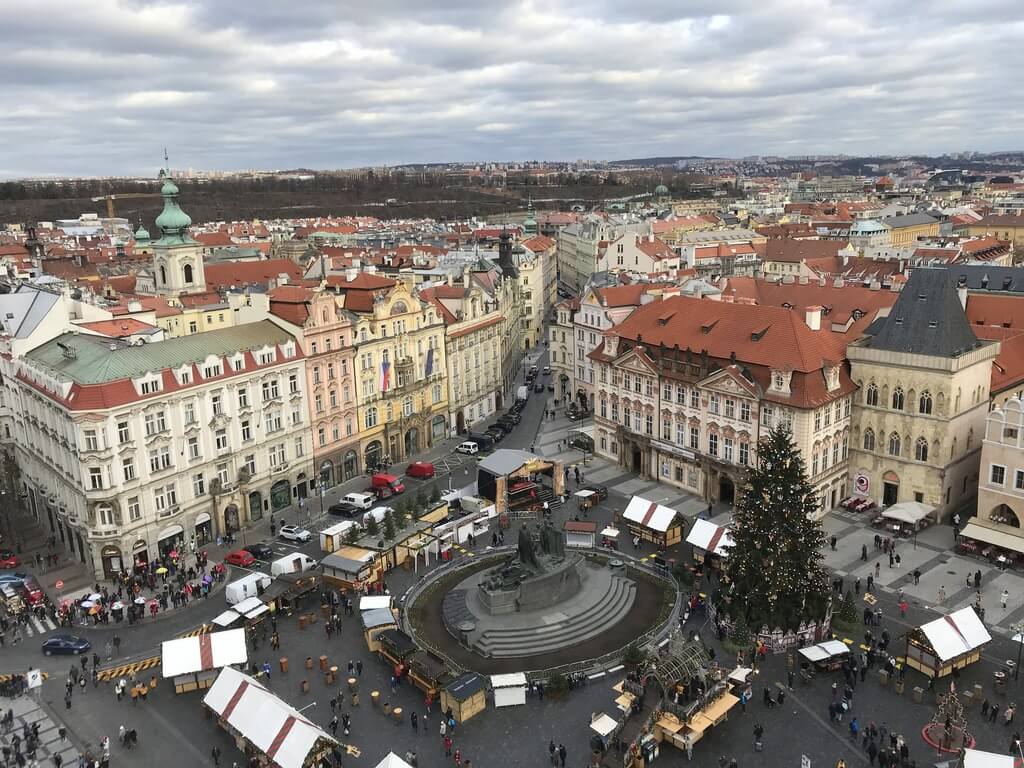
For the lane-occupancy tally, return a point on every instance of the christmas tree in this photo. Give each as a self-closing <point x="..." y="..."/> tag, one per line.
<point x="776" y="579"/>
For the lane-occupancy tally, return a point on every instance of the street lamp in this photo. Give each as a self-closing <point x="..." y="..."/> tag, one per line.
<point x="1018" y="638"/>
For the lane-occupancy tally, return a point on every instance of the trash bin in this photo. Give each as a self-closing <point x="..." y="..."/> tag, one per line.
<point x="353" y="684"/>
<point x="883" y="677"/>
<point x="1000" y="682"/>
<point x="283" y="663"/>
<point x="305" y="686"/>
<point x="309" y="662"/>
<point x="918" y="694"/>
<point x="898" y="687"/>
<point x="323" y="664"/>
<point x="375" y="699"/>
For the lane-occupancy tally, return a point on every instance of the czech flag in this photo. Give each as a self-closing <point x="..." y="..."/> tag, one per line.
<point x="385" y="376"/>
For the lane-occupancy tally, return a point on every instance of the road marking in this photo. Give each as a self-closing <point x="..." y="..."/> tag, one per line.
<point x="7" y="677"/>
<point x="127" y="670"/>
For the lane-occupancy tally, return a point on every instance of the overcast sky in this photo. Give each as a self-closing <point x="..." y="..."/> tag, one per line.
<point x="100" y="87"/>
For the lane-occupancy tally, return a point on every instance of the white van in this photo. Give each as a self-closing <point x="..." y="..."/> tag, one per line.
<point x="246" y="587"/>
<point x="361" y="500"/>
<point x="378" y="514"/>
<point x="467" y="447"/>
<point x="295" y="563"/>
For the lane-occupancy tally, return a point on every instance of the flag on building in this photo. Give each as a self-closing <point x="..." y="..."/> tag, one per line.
<point x="385" y="376"/>
<point x="430" y="361"/>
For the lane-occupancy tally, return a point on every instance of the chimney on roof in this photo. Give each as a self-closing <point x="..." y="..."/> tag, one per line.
<point x="875" y="285"/>
<point x="838" y="282"/>
<point x="804" y="280"/>
<point x="282" y="279"/>
<point x="134" y="306"/>
<point x="350" y="274"/>
<point x="961" y="292"/>
<point x="821" y="281"/>
<point x="812" y="316"/>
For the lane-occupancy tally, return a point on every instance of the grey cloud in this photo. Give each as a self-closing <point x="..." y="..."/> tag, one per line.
<point x="100" y="88"/>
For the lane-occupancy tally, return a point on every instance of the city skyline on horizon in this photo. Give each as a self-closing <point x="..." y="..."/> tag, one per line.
<point x="93" y="89"/>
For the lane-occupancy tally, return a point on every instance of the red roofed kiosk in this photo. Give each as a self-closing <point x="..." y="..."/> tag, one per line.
<point x="265" y="727"/>
<point x="653" y="522"/>
<point x="950" y="642"/>
<point x="710" y="542"/>
<point x="193" y="662"/>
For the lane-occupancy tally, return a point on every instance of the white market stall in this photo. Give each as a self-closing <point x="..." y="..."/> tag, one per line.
<point x="826" y="656"/>
<point x="391" y="760"/>
<point x="610" y="537"/>
<point x="509" y="689"/>
<point x="975" y="758"/>
<point x="585" y="499"/>
<point x="579" y="533"/>
<point x="710" y="542"/>
<point x="950" y="642"/>
<point x="193" y="661"/>
<point x="263" y="724"/>
<point x="336" y="536"/>
<point x="653" y="522"/>
<point x="604" y="726"/>
<point x="906" y="517"/>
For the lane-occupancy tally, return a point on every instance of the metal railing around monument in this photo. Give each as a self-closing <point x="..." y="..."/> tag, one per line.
<point x="652" y="638"/>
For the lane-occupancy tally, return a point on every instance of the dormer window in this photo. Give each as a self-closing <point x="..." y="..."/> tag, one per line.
<point x="779" y="382"/>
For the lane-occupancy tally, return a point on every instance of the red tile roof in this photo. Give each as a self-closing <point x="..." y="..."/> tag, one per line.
<point x="538" y="243"/>
<point x="214" y="239"/>
<point x="239" y="273"/>
<point x="996" y="220"/>
<point x="193" y="300"/>
<point x="119" y="329"/>
<point x="798" y="250"/>
<point x="154" y="304"/>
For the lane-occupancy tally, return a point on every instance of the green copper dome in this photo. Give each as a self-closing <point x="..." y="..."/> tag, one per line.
<point x="172" y="221"/>
<point x="141" y="234"/>
<point x="661" y="190"/>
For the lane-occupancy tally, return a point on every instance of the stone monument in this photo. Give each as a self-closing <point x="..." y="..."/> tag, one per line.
<point x="529" y="580"/>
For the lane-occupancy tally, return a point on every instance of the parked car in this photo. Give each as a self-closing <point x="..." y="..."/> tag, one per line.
<point x="14" y="579"/>
<point x="484" y="441"/>
<point x="468" y="447"/>
<point x="294" y="533"/>
<point x="344" y="509"/>
<point x="512" y="416"/>
<point x="361" y="500"/>
<point x="600" y="490"/>
<point x="66" y="644"/>
<point x="538" y="387"/>
<point x="496" y="433"/>
<point x="8" y="559"/>
<point x="382" y="492"/>
<point x="517" y="406"/>
<point x="260" y="551"/>
<point x="547" y="370"/>
<point x="508" y="426"/>
<point x="422" y="469"/>
<point x="242" y="557"/>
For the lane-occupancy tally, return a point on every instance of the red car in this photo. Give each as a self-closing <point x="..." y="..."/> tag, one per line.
<point x="240" y="557"/>
<point x="8" y="559"/>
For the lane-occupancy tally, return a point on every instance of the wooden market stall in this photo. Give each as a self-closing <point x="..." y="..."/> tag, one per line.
<point x="580" y="533"/>
<point x="827" y="657"/>
<point x="375" y="621"/>
<point x="264" y="727"/>
<point x="905" y="518"/>
<point x="427" y="672"/>
<point x="710" y="543"/>
<point x="466" y="696"/>
<point x="351" y="568"/>
<point x="194" y="662"/>
<point x="950" y="642"/>
<point x="653" y="522"/>
<point x="289" y="590"/>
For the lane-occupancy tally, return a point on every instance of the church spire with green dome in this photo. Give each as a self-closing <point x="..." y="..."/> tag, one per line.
<point x="172" y="221"/>
<point x="530" y="223"/>
<point x="141" y="234"/>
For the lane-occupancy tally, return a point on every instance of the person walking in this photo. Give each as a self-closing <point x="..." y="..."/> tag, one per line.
<point x="414" y="721"/>
<point x="758" y="736"/>
<point x="832" y="543"/>
<point x="1003" y="598"/>
<point x="878" y="569"/>
<point x="856" y="585"/>
<point x="562" y="754"/>
<point x="359" y="667"/>
<point x="215" y="754"/>
<point x="942" y="594"/>
<point x="334" y="725"/>
<point x="917" y="577"/>
<point x="864" y="552"/>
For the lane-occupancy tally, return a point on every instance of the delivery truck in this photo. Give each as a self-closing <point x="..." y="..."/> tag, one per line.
<point x="294" y="563"/>
<point x="246" y="587"/>
<point x="523" y="393"/>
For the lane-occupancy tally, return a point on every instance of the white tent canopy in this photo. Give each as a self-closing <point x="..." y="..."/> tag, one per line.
<point x="975" y="758"/>
<point x="204" y="652"/>
<point x="956" y="633"/>
<point x="391" y="760"/>
<point x="649" y="514"/>
<point x="712" y="538"/>
<point x="603" y="724"/>
<point x="584" y="494"/>
<point x="824" y="651"/>
<point x="509" y="689"/>
<point x="610" y="532"/>
<point x="279" y="731"/>
<point x="911" y="512"/>
<point x="374" y="602"/>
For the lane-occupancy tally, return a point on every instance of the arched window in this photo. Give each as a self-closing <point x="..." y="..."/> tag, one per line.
<point x="371" y="417"/>
<point x="869" y="439"/>
<point x="894" y="444"/>
<point x="921" y="449"/>
<point x="163" y="275"/>
<point x="188" y="274"/>
<point x="897" y="399"/>
<point x="872" y="398"/>
<point x="924" y="405"/>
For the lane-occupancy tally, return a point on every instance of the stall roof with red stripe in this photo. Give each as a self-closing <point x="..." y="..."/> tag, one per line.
<point x="649" y="514"/>
<point x="273" y="727"/>
<point x="203" y="653"/>
<point x="712" y="538"/>
<point x="956" y="633"/>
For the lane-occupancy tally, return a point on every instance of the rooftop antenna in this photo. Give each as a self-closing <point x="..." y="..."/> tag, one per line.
<point x="167" y="163"/>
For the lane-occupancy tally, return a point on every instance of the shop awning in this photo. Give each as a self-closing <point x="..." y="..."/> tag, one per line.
<point x="584" y="494"/>
<point x="911" y="512"/>
<point x="712" y="538"/>
<point x="649" y="514"/>
<point x="278" y="731"/>
<point x="204" y="652"/>
<point x="956" y="633"/>
<point x="227" y="618"/>
<point x="993" y="536"/>
<point x="975" y="758"/>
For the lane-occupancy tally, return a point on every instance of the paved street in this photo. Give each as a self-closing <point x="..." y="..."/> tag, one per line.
<point x="173" y="730"/>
